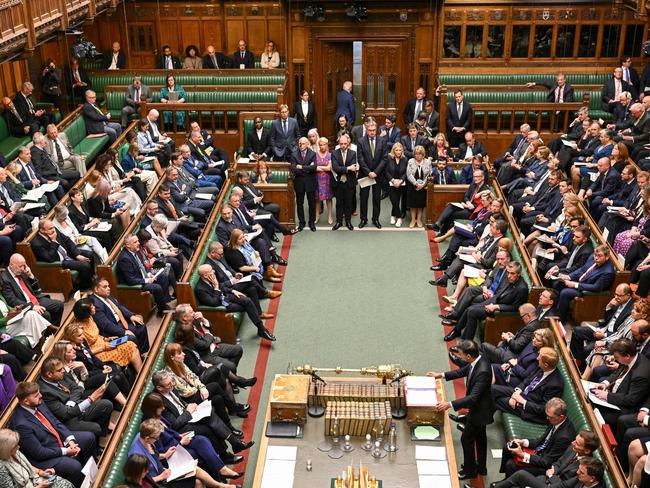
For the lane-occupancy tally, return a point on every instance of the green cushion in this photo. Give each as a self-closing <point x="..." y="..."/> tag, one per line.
<point x="454" y="80"/>
<point x="278" y="176"/>
<point x="248" y="126"/>
<point x="57" y="264"/>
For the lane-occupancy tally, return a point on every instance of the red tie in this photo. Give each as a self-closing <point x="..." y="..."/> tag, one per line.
<point x="27" y="291"/>
<point x="586" y="273"/>
<point x="46" y="423"/>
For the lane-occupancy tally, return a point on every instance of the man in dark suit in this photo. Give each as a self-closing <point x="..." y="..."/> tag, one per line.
<point x="17" y="126"/>
<point x="606" y="183"/>
<point x="559" y="92"/>
<point x="612" y="89"/>
<point x="24" y="103"/>
<point x="258" y="141"/>
<point x="303" y="168"/>
<point x="284" y="135"/>
<point x="98" y="122"/>
<point x="508" y="296"/>
<point x="411" y="140"/>
<point x="215" y="60"/>
<point x="77" y="81"/>
<point x="167" y="60"/>
<point x="528" y="399"/>
<point x="346" y="167"/>
<point x="132" y="271"/>
<point x="181" y="194"/>
<point x="371" y="151"/>
<point x="47" y="167"/>
<point x="68" y="402"/>
<point x="578" y="252"/>
<point x="19" y="287"/>
<point x="45" y="441"/>
<point x="345" y="104"/>
<point x="477" y="399"/>
<point x="596" y="275"/>
<point x="629" y="386"/>
<point x="622" y="114"/>
<point x="51" y="246"/>
<point x="635" y="133"/>
<point x="431" y="119"/>
<point x="31" y="178"/>
<point x="115" y="58"/>
<point x="115" y="320"/>
<point x="619" y="198"/>
<point x="390" y="132"/>
<point x="586" y="337"/>
<point x="442" y="174"/>
<point x="242" y="58"/>
<point x="574" y="471"/>
<point x="414" y="106"/>
<point x="136" y="93"/>
<point x="209" y="294"/>
<point x="470" y="148"/>
<point x="458" y="119"/>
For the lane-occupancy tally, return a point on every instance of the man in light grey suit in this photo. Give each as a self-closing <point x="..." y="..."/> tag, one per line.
<point x="61" y="151"/>
<point x="284" y="135"/>
<point x="135" y="94"/>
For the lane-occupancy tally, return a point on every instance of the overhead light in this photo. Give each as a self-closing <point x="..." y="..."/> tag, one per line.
<point x="315" y="10"/>
<point x="358" y="10"/>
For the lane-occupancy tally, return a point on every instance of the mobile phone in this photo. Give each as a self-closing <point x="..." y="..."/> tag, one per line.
<point x="118" y="341"/>
<point x="513" y="445"/>
<point x="109" y="377"/>
<point x="51" y="478"/>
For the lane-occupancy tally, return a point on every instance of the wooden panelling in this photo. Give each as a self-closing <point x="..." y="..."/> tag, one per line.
<point x="234" y="32"/>
<point x="13" y="75"/>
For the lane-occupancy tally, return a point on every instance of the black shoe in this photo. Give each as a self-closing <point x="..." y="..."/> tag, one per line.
<point x="377" y="224"/>
<point x="293" y="231"/>
<point x="454" y="349"/>
<point x="448" y="322"/>
<point x="239" y="446"/>
<point x="349" y="226"/>
<point x="363" y="223"/>
<point x="274" y="238"/>
<point x="265" y="334"/>
<point x="451" y="336"/>
<point x="439" y="267"/>
<point x="337" y="226"/>
<point x="280" y="261"/>
<point x="439" y="282"/>
<point x="462" y="475"/>
<point x="235" y="389"/>
<point x="244" y="407"/>
<point x="461" y="419"/>
<point x="239" y="433"/>
<point x="460" y="427"/>
<point x="301" y="227"/>
<point x="434" y="227"/>
<point x="312" y="227"/>
<point x="482" y="471"/>
<point x="456" y="360"/>
<point x="244" y="382"/>
<point x="241" y="415"/>
<point x="232" y="459"/>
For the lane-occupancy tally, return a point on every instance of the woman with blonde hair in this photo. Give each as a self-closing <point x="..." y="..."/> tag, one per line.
<point x="16" y="470"/>
<point x="417" y="172"/>
<point x="245" y="259"/>
<point x="440" y="148"/>
<point x="517" y="369"/>
<point x="103" y="206"/>
<point x="270" y="58"/>
<point x="396" y="175"/>
<point x="64" y="224"/>
<point x="323" y="177"/>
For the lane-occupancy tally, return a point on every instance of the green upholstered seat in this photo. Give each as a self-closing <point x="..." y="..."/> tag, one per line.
<point x="248" y="126"/>
<point x="278" y="176"/>
<point x="82" y="144"/>
<point x="456" y="80"/>
<point x="57" y="264"/>
<point x="9" y="144"/>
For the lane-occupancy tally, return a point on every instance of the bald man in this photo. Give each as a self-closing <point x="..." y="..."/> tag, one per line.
<point x="303" y="167"/>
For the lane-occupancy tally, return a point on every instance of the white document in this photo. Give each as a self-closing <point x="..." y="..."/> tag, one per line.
<point x="432" y="467"/>
<point x="542" y="228"/>
<point x="245" y="279"/>
<point x="252" y="235"/>
<point x="544" y="238"/>
<point x="48" y="187"/>
<point x="457" y="204"/>
<point x="468" y="258"/>
<point x="20" y="315"/>
<point x="147" y="159"/>
<point x="103" y="227"/>
<point x="430" y="453"/>
<point x="439" y="481"/>
<point x="581" y="163"/>
<point x="605" y="233"/>
<point x="471" y="272"/>
<point x="543" y="254"/>
<point x="466" y="249"/>
<point x="203" y="196"/>
<point x="587" y="385"/>
<point x="262" y="217"/>
<point x="33" y="195"/>
<point x="593" y="176"/>
<point x="284" y="453"/>
<point x="570" y="144"/>
<point x="422" y="398"/>
<point x="90" y="470"/>
<point x="364" y="182"/>
<point x="203" y="410"/>
<point x="420" y="383"/>
<point x="32" y="206"/>
<point x="497" y="453"/>
<point x="181" y="464"/>
<point x="242" y="160"/>
<point x="614" y="209"/>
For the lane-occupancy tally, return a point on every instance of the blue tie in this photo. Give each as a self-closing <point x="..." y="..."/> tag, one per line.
<point x="497" y="280"/>
<point x="532" y="384"/>
<point x="547" y="439"/>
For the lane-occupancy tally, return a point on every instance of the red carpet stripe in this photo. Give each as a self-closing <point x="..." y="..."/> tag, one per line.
<point x="262" y="358"/>
<point x="459" y="385"/>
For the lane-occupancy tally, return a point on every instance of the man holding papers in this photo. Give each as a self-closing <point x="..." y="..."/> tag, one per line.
<point x="477" y="399"/>
<point x="31" y="178"/>
<point x="371" y="152"/>
<point x="180" y="194"/>
<point x="196" y="168"/>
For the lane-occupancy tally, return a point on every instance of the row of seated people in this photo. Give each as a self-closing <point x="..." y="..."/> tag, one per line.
<point x="60" y="418"/>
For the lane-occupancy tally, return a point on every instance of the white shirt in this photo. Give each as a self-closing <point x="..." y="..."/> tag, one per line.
<point x="114" y="61"/>
<point x="305" y="107"/>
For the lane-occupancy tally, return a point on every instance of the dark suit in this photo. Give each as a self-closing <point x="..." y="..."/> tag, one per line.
<point x="477" y="148"/>
<point x="97" y="122"/>
<point x="162" y="62"/>
<point x="259" y="145"/>
<point x="409" y="114"/>
<point x="606" y="184"/>
<point x="43" y="449"/>
<point x="608" y="93"/>
<point x="13" y="294"/>
<point x="247" y="59"/>
<point x="130" y="273"/>
<point x="26" y="107"/>
<point x="599" y="279"/>
<point x="540" y="392"/>
<point x="48" y="251"/>
<point x="448" y="175"/>
<point x="17" y="125"/>
<point x="305" y="183"/>
<point x="253" y="289"/>
<point x="507" y="350"/>
<point x="554" y="97"/>
<point x="108" y="60"/>
<point x="344" y="189"/>
<point x="305" y="122"/>
<point x="283" y="144"/>
<point x="207" y="296"/>
<point x="409" y="144"/>
<point x="76" y="91"/>
<point x="394" y="136"/>
<point x="509" y="296"/>
<point x="371" y="164"/>
<point x="557" y="443"/>
<point x="632" y="392"/>
<point x="345" y="106"/>
<point x="50" y="170"/>
<point x="110" y="325"/>
<point x="454" y="119"/>
<point x="477" y="400"/>
<point x="223" y="62"/>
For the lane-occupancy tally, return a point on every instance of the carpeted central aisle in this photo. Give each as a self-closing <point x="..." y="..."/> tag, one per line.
<point x="350" y="299"/>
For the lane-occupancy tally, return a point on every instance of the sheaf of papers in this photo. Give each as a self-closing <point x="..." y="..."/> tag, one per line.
<point x="437" y="468"/>
<point x="430" y="453"/>
<point x="466" y="249"/>
<point x="544" y="238"/>
<point x="420" y="391"/>
<point x="245" y="279"/>
<point x="471" y="272"/>
<point x="262" y="217"/>
<point x="594" y="176"/>
<point x="468" y="258"/>
<point x="541" y="228"/>
<point x="279" y="467"/>
<point x="203" y="196"/>
<point x="181" y="463"/>
<point x="32" y="206"/>
<point x="420" y="383"/>
<point x="426" y="481"/>
<point x="543" y="254"/>
<point x="243" y="160"/>
<point x="457" y="204"/>
<point x="203" y="410"/>
<point x="614" y="209"/>
<point x="569" y="143"/>
<point x="90" y="470"/>
<point x="283" y="453"/>
<point x="19" y="316"/>
<point x="581" y="163"/>
<point x="364" y="182"/>
<point x="252" y="235"/>
<point x="587" y="385"/>
<point x="497" y="453"/>
<point x="103" y="227"/>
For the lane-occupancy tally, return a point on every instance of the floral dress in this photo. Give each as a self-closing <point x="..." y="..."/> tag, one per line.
<point x="323" y="177"/>
<point x="121" y="355"/>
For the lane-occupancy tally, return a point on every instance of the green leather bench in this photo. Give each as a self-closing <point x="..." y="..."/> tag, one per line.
<point x="248" y="126"/>
<point x="278" y="176"/>
<point x="517" y="428"/>
<point x="456" y="80"/>
<point x="82" y="144"/>
<point x="114" y="475"/>
<point x="9" y="144"/>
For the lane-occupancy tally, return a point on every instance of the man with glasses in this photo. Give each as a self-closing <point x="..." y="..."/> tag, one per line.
<point x="587" y="336"/>
<point x="98" y="122"/>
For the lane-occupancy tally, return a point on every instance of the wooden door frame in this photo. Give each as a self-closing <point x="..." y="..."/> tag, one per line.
<point x="319" y="39"/>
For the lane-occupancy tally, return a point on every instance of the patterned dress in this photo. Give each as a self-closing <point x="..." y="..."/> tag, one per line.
<point x="623" y="242"/>
<point x="323" y="177"/>
<point x="121" y="355"/>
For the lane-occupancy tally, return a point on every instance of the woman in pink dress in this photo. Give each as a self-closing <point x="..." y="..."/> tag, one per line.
<point x="323" y="173"/>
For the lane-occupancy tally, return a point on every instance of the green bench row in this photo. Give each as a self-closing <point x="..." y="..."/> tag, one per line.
<point x="96" y="64"/>
<point x="9" y="144"/>
<point x="454" y="80"/>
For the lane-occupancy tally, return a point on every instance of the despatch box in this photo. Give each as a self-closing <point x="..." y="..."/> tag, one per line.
<point x="421" y="399"/>
<point x="289" y="395"/>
